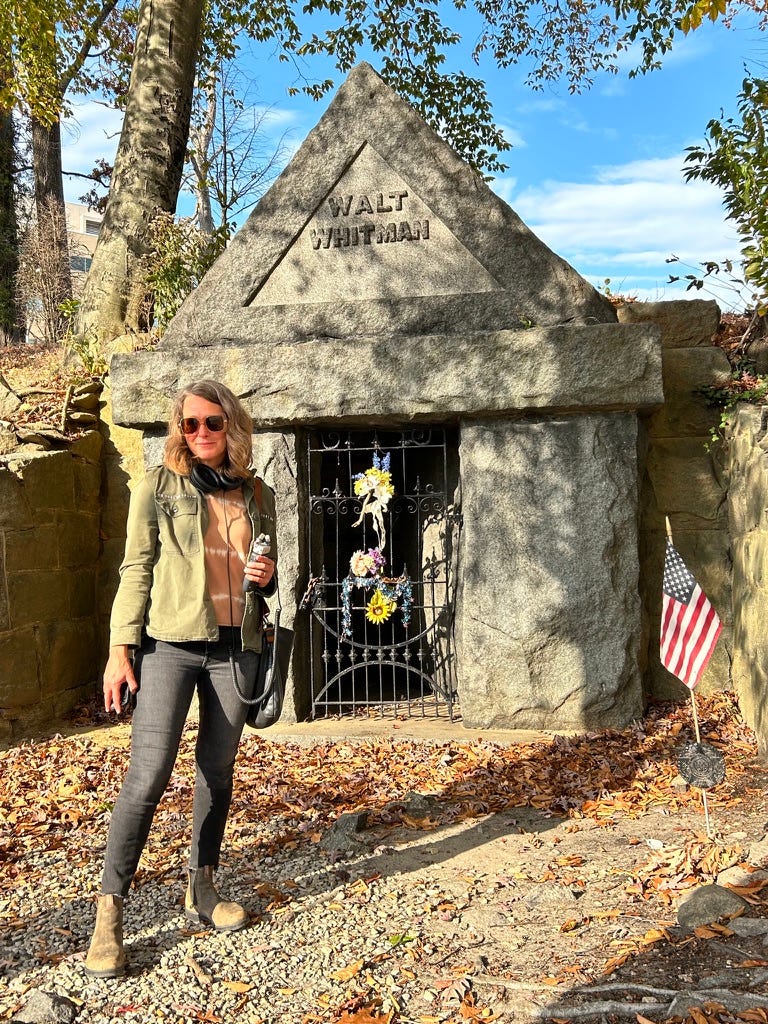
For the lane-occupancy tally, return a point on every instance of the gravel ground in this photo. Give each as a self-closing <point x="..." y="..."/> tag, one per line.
<point x="328" y="931"/>
<point x="496" y="916"/>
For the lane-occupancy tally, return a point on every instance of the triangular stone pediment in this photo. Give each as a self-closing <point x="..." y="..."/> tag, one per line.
<point x="372" y="237"/>
<point x="377" y="227"/>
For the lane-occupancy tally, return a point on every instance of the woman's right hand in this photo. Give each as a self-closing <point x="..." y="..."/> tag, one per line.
<point x="119" y="670"/>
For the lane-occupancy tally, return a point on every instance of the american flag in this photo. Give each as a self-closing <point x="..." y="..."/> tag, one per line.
<point x="690" y="625"/>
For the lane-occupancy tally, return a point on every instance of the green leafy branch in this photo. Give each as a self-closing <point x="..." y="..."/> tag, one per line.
<point x="742" y="385"/>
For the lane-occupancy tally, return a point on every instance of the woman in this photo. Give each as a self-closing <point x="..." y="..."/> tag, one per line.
<point x="181" y="621"/>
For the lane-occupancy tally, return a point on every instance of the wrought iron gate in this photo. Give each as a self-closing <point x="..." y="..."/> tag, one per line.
<point x="381" y="591"/>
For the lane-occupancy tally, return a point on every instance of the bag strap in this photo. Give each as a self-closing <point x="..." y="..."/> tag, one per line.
<point x="257" y="491"/>
<point x="270" y="629"/>
<point x="270" y="638"/>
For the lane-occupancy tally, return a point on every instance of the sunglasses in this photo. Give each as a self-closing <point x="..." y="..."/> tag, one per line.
<point x="191" y="424"/>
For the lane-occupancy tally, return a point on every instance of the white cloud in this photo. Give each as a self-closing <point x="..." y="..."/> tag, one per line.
<point x="663" y="169"/>
<point x="91" y="133"/>
<point x="276" y="117"/>
<point x="505" y="188"/>
<point x="641" y="207"/>
<point x="627" y="222"/>
<point x="514" y="137"/>
<point x="537" y="105"/>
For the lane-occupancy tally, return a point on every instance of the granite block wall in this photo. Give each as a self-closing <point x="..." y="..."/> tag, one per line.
<point x="50" y="511"/>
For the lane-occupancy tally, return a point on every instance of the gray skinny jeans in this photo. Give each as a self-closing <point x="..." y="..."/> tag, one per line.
<point x="168" y="674"/>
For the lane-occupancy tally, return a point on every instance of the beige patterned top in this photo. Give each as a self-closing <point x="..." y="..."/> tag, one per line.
<point x="227" y="541"/>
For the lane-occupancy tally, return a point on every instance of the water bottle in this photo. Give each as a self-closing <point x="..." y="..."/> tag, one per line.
<point x="260" y="546"/>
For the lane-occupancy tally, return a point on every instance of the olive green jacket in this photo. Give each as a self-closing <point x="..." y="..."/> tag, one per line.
<point x="162" y="587"/>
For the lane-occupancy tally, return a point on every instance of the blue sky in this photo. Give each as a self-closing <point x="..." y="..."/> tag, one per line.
<point x="596" y="175"/>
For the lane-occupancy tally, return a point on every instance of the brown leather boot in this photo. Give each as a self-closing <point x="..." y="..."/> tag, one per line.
<point x="203" y="903"/>
<point x="106" y="956"/>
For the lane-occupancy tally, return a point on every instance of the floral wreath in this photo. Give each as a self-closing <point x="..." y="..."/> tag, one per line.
<point x="366" y="568"/>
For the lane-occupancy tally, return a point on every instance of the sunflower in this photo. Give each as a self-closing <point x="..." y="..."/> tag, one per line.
<point x="379" y="609"/>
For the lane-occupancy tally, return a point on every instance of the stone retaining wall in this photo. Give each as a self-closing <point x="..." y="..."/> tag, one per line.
<point x="685" y="479"/>
<point x="49" y="564"/>
<point x="748" y="522"/>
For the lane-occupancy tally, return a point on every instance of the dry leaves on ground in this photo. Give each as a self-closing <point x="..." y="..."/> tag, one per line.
<point x="38" y="375"/>
<point x="57" y="794"/>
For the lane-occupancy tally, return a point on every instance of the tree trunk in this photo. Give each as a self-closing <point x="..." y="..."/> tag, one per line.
<point x="201" y="137"/>
<point x="51" y="213"/>
<point x="10" y="324"/>
<point x="148" y="164"/>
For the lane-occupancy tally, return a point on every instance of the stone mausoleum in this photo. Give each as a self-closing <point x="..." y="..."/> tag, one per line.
<point x="383" y="307"/>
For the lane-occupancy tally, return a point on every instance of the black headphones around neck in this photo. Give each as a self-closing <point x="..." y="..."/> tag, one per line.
<point x="208" y="480"/>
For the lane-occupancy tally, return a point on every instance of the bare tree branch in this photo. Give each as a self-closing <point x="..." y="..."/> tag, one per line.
<point x="82" y="54"/>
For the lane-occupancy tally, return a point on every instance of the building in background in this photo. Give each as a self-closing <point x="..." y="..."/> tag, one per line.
<point x="83" y="226"/>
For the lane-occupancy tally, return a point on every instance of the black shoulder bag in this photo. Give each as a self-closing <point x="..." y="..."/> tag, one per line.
<point x="266" y="704"/>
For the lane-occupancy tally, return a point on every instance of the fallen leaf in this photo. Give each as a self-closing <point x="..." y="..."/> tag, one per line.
<point x="570" y="925"/>
<point x="345" y="973"/>
<point x="238" y="986"/>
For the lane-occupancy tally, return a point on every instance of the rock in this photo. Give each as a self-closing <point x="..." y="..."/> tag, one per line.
<point x="707" y="904"/>
<point x="90" y="387"/>
<point x="33" y="439"/>
<point x="747" y="504"/>
<point x="554" y="636"/>
<point x="748" y="927"/>
<point x="758" y="353"/>
<point x="758" y="852"/>
<point x="33" y="447"/>
<point x="684" y="323"/>
<point x="286" y="275"/>
<point x="127" y="343"/>
<point x="46" y="437"/>
<point x="479" y="374"/>
<point x="686" y="412"/>
<point x="46" y="1008"/>
<point x="9" y="402"/>
<point x="342" y="834"/>
<point x="738" y="877"/>
<point x="418" y="805"/>
<point x="90" y="400"/>
<point x="8" y="439"/>
<point x="88" y="446"/>
<point x="81" y="419"/>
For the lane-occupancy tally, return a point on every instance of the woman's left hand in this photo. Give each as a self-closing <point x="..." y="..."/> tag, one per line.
<point x="260" y="571"/>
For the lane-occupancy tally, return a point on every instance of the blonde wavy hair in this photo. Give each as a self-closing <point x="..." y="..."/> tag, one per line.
<point x="177" y="455"/>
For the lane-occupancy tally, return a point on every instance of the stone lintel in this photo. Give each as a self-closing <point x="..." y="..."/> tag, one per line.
<point x="361" y="381"/>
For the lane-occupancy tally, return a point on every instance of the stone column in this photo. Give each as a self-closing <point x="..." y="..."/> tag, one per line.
<point x="277" y="459"/>
<point x="549" y="610"/>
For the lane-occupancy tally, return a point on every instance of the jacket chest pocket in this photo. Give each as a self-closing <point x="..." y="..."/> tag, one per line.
<point x="178" y="522"/>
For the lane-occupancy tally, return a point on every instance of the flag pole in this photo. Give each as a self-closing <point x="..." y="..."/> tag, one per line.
<point x="708" y="826"/>
<point x="710" y="834"/>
